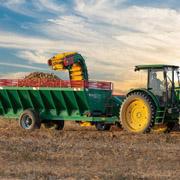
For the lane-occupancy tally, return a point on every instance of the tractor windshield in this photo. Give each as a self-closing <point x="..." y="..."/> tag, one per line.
<point x="157" y="84"/>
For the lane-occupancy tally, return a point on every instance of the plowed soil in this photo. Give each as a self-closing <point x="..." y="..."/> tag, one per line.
<point x="84" y="153"/>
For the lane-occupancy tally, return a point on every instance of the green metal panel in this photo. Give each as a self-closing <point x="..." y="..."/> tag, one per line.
<point x="6" y="103"/>
<point x="1" y="109"/>
<point x="117" y="102"/>
<point x="48" y="103"/>
<point x="54" y="103"/>
<point x="71" y="104"/>
<point x="97" y="99"/>
<point x="82" y="102"/>
<point x="25" y="99"/>
<point x="59" y="103"/>
<point x="15" y="101"/>
<point x="36" y="100"/>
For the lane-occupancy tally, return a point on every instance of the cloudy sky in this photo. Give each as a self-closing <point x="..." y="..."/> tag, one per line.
<point x="112" y="35"/>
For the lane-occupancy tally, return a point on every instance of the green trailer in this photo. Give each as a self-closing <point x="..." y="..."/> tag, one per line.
<point x="52" y="102"/>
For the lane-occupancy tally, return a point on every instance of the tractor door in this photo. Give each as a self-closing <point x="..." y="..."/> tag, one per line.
<point x="157" y="85"/>
<point x="172" y="83"/>
<point x="170" y="88"/>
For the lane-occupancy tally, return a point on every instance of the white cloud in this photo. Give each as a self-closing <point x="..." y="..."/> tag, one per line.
<point x="17" y="75"/>
<point x="50" y="5"/>
<point x="9" y="3"/>
<point x="148" y="19"/>
<point x="34" y="8"/>
<point x="12" y="40"/>
<point x="112" y="38"/>
<point x="22" y="66"/>
<point x="72" y="29"/>
<point x="100" y="8"/>
<point x="33" y="56"/>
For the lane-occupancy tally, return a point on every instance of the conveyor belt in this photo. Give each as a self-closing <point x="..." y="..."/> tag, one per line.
<point x="71" y="61"/>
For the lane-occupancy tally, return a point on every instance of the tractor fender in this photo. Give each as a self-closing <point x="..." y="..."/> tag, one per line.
<point x="147" y="92"/>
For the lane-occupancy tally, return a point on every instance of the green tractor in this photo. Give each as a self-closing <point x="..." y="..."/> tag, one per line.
<point x="157" y="105"/>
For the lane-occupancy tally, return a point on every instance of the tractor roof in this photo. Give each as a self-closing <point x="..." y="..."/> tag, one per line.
<point x="154" y="66"/>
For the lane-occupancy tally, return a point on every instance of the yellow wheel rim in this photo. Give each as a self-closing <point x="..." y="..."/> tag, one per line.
<point x="136" y="115"/>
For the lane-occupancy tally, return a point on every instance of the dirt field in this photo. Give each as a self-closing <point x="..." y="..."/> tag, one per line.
<point x="84" y="153"/>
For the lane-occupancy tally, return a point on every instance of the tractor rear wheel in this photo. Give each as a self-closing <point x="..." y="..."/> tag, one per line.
<point x="100" y="126"/>
<point x="30" y="119"/>
<point x="137" y="113"/>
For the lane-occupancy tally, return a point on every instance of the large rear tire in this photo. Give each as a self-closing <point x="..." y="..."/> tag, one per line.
<point x="30" y="119"/>
<point x="137" y="113"/>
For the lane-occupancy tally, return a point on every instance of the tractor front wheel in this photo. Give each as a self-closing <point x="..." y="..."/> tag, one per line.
<point x="165" y="127"/>
<point x="137" y="113"/>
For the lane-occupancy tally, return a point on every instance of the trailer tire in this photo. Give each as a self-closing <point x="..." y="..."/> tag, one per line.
<point x="102" y="126"/>
<point x="59" y="125"/>
<point x="30" y="119"/>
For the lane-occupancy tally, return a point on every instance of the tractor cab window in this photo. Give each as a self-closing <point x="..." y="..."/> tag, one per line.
<point x="172" y="77"/>
<point x="169" y="77"/>
<point x="156" y="81"/>
<point x="142" y="79"/>
<point x="157" y="84"/>
<point x="176" y="78"/>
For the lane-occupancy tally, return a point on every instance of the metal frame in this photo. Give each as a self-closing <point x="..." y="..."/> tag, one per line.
<point x="75" y="101"/>
<point x="56" y="83"/>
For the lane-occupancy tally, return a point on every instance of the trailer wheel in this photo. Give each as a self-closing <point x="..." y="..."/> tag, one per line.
<point x="102" y="126"/>
<point x="137" y="113"/>
<point x="56" y="125"/>
<point x="118" y="124"/>
<point x="30" y="119"/>
<point x="59" y="125"/>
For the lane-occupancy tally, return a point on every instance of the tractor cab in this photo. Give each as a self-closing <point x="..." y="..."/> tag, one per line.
<point x="161" y="82"/>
